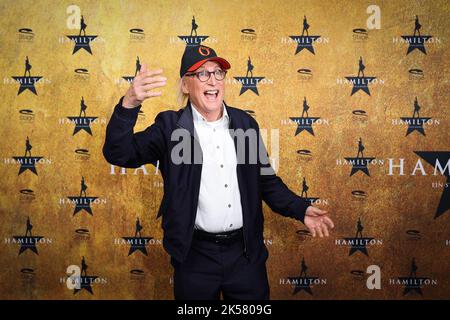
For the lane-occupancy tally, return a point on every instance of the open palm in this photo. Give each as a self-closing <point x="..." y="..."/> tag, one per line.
<point x="318" y="222"/>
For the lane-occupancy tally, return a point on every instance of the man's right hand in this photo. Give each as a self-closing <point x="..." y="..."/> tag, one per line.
<point x="142" y="86"/>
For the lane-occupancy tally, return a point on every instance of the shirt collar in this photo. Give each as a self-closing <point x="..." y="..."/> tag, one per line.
<point x="199" y="119"/>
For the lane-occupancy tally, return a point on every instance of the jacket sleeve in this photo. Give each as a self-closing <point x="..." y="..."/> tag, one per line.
<point x="275" y="193"/>
<point x="127" y="149"/>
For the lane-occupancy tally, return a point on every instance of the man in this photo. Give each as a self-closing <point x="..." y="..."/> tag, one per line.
<point x="194" y="27"/>
<point x="417" y="26"/>
<point x="29" y="227"/>
<point x="138" y="66"/>
<point x="416" y="108"/>
<point x="83" y="107"/>
<point x="304" y="268"/>
<point x="212" y="205"/>
<point x="305" y="26"/>
<point x="27" y="67"/>
<point x="305" y="107"/>
<point x="138" y="229"/>
<point x="83" y="26"/>
<point x="83" y="187"/>
<point x="28" y="147"/>
<point x="362" y="67"/>
<point x="84" y="267"/>
<point x="360" y="148"/>
<point x="305" y="188"/>
<point x="359" y="228"/>
<point x="250" y="68"/>
<point x="413" y="273"/>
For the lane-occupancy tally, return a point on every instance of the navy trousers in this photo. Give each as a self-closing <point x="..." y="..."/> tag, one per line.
<point x="212" y="270"/>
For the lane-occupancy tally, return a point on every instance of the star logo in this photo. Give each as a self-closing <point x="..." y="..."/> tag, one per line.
<point x="82" y="122"/>
<point x="83" y="282"/>
<point x="305" y="41"/>
<point x="28" y="241"/>
<point x="193" y="39"/>
<point x="249" y="83"/>
<point x="358" y="243"/>
<point x="27" y="82"/>
<point x="82" y="41"/>
<point x="360" y="163"/>
<point x="415" y="123"/>
<point x="27" y="162"/>
<point x="82" y="202"/>
<point x="138" y="242"/>
<point x="360" y="82"/>
<point x="412" y="282"/>
<point x="304" y="123"/>
<point x="417" y="41"/>
<point x="302" y="282"/>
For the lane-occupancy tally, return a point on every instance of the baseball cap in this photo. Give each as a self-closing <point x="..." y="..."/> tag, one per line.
<point x="195" y="56"/>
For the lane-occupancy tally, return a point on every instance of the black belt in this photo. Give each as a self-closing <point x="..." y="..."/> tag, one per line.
<point x="219" y="238"/>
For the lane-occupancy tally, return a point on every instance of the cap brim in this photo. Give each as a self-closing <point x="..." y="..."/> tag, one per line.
<point x="223" y="63"/>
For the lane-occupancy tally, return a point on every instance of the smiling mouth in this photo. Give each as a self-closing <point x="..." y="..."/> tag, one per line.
<point x="211" y="95"/>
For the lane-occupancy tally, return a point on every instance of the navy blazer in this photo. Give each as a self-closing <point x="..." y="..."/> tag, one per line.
<point x="178" y="207"/>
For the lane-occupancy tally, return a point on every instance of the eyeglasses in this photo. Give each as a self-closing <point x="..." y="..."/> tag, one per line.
<point x="204" y="75"/>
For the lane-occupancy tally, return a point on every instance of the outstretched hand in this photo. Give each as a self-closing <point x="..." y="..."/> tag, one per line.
<point x="318" y="222"/>
<point x="142" y="86"/>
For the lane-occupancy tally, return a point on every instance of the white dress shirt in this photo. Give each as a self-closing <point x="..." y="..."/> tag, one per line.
<point x="219" y="202"/>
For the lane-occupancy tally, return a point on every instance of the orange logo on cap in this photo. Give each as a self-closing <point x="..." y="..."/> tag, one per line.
<point x="204" y="51"/>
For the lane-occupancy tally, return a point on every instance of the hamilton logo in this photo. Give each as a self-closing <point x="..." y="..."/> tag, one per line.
<point x="249" y="83"/>
<point x="413" y="283"/>
<point x="358" y="242"/>
<point x="303" y="281"/>
<point x="193" y="39"/>
<point x="138" y="242"/>
<point x="79" y="279"/>
<point x="360" y="82"/>
<point x="82" y="202"/>
<point x="415" y="123"/>
<point x="82" y="41"/>
<point x="27" y="82"/>
<point x="417" y="41"/>
<point x="305" y="41"/>
<point x="129" y="79"/>
<point x="82" y="122"/>
<point x="28" y="162"/>
<point x="304" y="123"/>
<point x="304" y="193"/>
<point x="437" y="159"/>
<point x="28" y="241"/>
<point x="360" y="162"/>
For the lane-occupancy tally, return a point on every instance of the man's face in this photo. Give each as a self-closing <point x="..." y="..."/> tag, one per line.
<point x="206" y="96"/>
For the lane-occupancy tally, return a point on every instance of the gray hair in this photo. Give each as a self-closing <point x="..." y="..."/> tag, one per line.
<point x="181" y="96"/>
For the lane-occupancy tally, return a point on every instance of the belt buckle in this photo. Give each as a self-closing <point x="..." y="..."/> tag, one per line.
<point x="221" y="238"/>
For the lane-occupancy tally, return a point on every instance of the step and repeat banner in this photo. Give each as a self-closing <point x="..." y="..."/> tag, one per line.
<point x="353" y="101"/>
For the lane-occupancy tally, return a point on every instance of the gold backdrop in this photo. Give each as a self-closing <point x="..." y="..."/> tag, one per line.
<point x="397" y="211"/>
